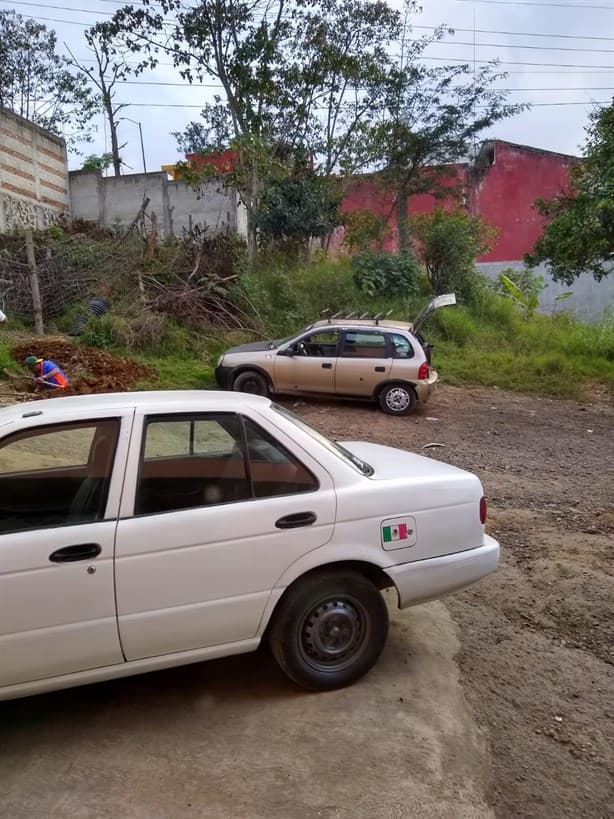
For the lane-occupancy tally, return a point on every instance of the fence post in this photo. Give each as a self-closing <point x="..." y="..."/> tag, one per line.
<point x="34" y="286"/>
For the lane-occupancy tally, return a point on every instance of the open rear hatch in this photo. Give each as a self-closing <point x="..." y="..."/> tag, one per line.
<point x="444" y="300"/>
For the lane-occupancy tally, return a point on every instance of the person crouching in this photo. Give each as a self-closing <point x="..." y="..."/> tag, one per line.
<point x="46" y="373"/>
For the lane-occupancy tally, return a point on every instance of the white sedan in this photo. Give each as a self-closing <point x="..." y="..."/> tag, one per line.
<point x="145" y="530"/>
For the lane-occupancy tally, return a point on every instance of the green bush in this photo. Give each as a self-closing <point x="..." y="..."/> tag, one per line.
<point x="284" y="300"/>
<point x="107" y="332"/>
<point x="393" y="274"/>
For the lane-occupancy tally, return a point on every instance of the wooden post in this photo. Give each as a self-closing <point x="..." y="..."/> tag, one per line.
<point x="34" y="287"/>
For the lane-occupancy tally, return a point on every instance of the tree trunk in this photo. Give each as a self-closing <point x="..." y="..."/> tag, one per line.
<point x="37" y="307"/>
<point x="403" y="218"/>
<point x="252" y="197"/>
<point x="117" y="163"/>
<point x="252" y="239"/>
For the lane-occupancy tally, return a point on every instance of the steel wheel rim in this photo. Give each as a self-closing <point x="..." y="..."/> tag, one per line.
<point x="252" y="386"/>
<point x="397" y="399"/>
<point x="333" y="633"/>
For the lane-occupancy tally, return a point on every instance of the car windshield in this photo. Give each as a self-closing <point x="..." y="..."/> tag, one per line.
<point x="279" y="341"/>
<point x="333" y="446"/>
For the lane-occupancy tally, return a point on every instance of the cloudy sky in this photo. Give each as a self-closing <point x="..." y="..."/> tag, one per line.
<point x="559" y="56"/>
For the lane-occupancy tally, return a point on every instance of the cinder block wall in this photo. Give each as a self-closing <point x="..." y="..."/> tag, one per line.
<point x="33" y="175"/>
<point x="115" y="201"/>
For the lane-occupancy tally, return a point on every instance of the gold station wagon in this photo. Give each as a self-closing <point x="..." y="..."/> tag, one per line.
<point x="374" y="359"/>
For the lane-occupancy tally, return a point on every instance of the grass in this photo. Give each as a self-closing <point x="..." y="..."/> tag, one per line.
<point x="177" y="373"/>
<point x="6" y="361"/>
<point x="489" y="343"/>
<point x="495" y="346"/>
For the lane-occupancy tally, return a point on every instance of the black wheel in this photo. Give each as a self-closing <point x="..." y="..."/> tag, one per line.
<point x="252" y="382"/>
<point x="397" y="399"/>
<point x="329" y="630"/>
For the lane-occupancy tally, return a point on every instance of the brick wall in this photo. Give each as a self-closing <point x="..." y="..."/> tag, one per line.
<point x="33" y="175"/>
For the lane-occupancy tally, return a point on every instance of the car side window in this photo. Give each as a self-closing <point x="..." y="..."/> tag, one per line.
<point x="200" y="436"/>
<point x="205" y="460"/>
<point x="357" y="344"/>
<point x="321" y="344"/>
<point x="274" y="470"/>
<point x="401" y="347"/>
<point x="56" y="475"/>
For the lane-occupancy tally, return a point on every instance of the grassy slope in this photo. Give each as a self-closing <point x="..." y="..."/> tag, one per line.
<point x="489" y="344"/>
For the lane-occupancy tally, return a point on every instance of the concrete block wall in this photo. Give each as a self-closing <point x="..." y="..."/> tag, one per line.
<point x="589" y="298"/>
<point x="115" y="201"/>
<point x="34" y="188"/>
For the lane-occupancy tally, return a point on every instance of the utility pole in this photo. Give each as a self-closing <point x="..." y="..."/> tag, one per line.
<point x="34" y="286"/>
<point x="136" y="122"/>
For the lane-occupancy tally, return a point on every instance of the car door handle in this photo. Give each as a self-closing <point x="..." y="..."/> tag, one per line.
<point x="299" y="519"/>
<point x="327" y="366"/>
<point x="69" y="554"/>
<point x="380" y="369"/>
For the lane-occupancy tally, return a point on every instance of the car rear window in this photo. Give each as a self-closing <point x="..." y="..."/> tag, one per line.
<point x="401" y="347"/>
<point x="333" y="446"/>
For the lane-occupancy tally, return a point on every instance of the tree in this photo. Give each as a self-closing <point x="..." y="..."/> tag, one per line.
<point x="447" y="244"/>
<point x="295" y="78"/>
<point x="239" y="43"/>
<point x="110" y="67"/>
<point x="294" y="209"/>
<point x="213" y="134"/>
<point x="580" y="237"/>
<point x="35" y="81"/>
<point x="427" y="119"/>
<point x="94" y="162"/>
<point x="339" y="64"/>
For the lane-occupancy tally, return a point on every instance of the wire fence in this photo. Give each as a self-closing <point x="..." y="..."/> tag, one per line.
<point x="192" y="279"/>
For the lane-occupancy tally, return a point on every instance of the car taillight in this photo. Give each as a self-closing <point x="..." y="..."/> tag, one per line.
<point x="483" y="510"/>
<point x="424" y="370"/>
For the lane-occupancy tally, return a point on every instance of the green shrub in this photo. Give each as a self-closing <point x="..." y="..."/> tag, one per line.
<point x="107" y="332"/>
<point x="393" y="274"/>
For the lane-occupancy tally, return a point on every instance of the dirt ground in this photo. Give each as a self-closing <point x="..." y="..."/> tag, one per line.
<point x="537" y="637"/>
<point x="88" y="369"/>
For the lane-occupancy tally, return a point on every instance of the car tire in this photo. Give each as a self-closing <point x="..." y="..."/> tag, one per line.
<point x="251" y="382"/>
<point x="397" y="399"/>
<point x="329" y="630"/>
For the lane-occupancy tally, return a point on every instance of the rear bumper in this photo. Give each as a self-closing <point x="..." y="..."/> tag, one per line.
<point x="425" y="580"/>
<point x="223" y="377"/>
<point x="425" y="388"/>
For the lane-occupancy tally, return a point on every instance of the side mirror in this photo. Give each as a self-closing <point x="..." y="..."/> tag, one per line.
<point x="288" y="351"/>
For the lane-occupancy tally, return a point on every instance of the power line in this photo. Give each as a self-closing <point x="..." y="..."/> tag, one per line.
<point x="55" y="20"/>
<point x="524" y="47"/>
<point x="512" y="62"/>
<point x="535" y="3"/>
<point x="496" y="88"/>
<point x="58" y="8"/>
<point x="436" y="42"/>
<point x="187" y="105"/>
<point x="573" y="66"/>
<point x="597" y="70"/>
<point x="518" y="33"/>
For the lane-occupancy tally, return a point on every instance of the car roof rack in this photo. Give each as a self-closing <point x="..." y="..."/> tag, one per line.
<point x="342" y="315"/>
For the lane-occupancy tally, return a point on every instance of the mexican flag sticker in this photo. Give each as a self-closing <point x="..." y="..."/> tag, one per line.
<point x="396" y="534"/>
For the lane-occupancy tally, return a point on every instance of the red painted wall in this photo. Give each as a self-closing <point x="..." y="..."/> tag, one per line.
<point x="502" y="193"/>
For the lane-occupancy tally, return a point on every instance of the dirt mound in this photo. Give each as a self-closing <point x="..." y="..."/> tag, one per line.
<point x="89" y="370"/>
